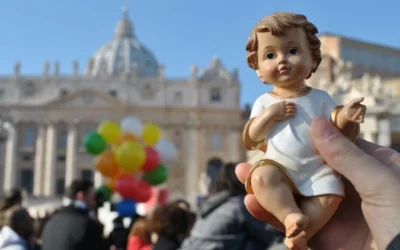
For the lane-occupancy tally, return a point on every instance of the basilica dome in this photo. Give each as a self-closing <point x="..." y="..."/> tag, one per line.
<point x="123" y="54"/>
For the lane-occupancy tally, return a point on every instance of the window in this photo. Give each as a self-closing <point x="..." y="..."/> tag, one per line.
<point x="178" y="98"/>
<point x="27" y="180"/>
<point x="60" y="186"/>
<point x="87" y="175"/>
<point x="215" y="95"/>
<point x="178" y="139"/>
<point x="213" y="168"/>
<point x="216" y="140"/>
<point x="112" y="93"/>
<point x="2" y="94"/>
<point x="29" y="137"/>
<point x="27" y="157"/>
<point x="29" y="89"/>
<point x="63" y="92"/>
<point x="62" y="140"/>
<point x="61" y="158"/>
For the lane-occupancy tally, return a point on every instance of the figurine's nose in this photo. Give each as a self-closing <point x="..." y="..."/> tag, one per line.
<point x="282" y="59"/>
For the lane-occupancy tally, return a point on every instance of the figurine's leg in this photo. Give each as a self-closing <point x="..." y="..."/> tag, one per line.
<point x="275" y="195"/>
<point x="319" y="210"/>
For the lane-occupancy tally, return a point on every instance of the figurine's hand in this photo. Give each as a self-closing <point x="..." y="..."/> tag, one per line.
<point x="354" y="111"/>
<point x="283" y="110"/>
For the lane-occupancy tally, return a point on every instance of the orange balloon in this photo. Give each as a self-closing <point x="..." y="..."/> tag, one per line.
<point x="111" y="184"/>
<point x="106" y="164"/>
<point x="125" y="138"/>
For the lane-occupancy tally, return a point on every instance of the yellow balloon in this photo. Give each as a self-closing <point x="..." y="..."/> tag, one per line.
<point x="130" y="156"/>
<point x="110" y="131"/>
<point x="151" y="134"/>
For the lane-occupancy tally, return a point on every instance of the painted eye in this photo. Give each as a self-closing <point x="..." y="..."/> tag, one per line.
<point x="269" y="56"/>
<point x="293" y="51"/>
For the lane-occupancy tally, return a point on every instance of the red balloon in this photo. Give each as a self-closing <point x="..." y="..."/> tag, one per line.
<point x="152" y="160"/>
<point x="145" y="191"/>
<point x="131" y="188"/>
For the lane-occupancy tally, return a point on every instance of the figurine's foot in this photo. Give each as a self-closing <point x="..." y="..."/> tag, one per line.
<point x="295" y="223"/>
<point x="298" y="242"/>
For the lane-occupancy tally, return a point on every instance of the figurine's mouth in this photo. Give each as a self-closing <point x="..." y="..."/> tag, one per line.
<point x="284" y="70"/>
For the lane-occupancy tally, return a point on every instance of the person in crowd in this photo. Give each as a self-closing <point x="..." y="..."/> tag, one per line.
<point x="223" y="222"/>
<point x="12" y="198"/>
<point x="140" y="235"/>
<point x="369" y="216"/>
<point x="73" y="228"/>
<point x="171" y="224"/>
<point x="119" y="235"/>
<point x="18" y="230"/>
<point x="183" y="204"/>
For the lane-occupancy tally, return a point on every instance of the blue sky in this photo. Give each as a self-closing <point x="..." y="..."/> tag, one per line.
<point x="179" y="32"/>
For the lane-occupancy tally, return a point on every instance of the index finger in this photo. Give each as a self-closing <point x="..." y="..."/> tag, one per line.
<point x="242" y="170"/>
<point x="357" y="100"/>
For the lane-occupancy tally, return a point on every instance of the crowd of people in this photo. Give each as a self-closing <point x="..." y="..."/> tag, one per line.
<point x="222" y="222"/>
<point x="368" y="218"/>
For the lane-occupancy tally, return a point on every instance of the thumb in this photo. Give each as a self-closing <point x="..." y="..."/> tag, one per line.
<point x="345" y="157"/>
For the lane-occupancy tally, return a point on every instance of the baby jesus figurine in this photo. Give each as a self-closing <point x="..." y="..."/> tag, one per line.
<point x="284" y="51"/>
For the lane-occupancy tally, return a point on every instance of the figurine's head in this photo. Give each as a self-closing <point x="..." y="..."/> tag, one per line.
<point x="284" y="49"/>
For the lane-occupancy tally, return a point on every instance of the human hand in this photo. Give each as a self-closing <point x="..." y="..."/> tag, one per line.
<point x="369" y="216"/>
<point x="282" y="110"/>
<point x="354" y="111"/>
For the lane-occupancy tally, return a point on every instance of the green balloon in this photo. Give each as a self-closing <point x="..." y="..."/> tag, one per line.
<point x="95" y="143"/>
<point x="106" y="191"/>
<point x="158" y="176"/>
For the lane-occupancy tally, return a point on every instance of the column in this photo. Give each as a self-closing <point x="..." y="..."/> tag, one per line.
<point x="384" y="133"/>
<point x="99" y="179"/>
<point x="39" y="160"/>
<point x="234" y="144"/>
<point x="70" y="168"/>
<point x="192" y="142"/>
<point x="10" y="166"/>
<point x="50" y="160"/>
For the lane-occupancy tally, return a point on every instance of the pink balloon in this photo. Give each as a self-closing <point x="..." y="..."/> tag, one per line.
<point x="152" y="160"/>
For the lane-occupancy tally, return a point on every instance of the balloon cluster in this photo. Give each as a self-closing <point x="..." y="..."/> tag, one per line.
<point x="132" y="156"/>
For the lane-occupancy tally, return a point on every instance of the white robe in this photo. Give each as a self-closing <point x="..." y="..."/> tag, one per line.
<point x="289" y="143"/>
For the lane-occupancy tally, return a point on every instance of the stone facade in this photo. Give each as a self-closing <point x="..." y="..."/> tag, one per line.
<point x="46" y="117"/>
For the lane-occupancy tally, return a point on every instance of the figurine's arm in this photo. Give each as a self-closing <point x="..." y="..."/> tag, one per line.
<point x="348" y="128"/>
<point x="256" y="129"/>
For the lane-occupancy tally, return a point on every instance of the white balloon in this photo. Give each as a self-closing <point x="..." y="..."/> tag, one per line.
<point x="167" y="151"/>
<point x="132" y="125"/>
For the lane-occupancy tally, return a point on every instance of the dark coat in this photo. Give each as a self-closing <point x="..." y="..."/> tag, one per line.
<point x="164" y="243"/>
<point x="72" y="229"/>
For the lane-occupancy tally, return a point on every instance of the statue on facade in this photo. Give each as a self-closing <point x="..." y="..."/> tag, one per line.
<point x="56" y="68"/>
<point x="17" y="68"/>
<point x="46" y="68"/>
<point x="377" y="86"/>
<point x="194" y="70"/>
<point x="366" y="84"/>
<point x="75" y="67"/>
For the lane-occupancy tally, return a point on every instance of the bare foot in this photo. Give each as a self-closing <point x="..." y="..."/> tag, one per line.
<point x="295" y="223"/>
<point x="299" y="242"/>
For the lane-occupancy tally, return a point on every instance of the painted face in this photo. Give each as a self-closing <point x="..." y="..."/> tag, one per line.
<point x="285" y="60"/>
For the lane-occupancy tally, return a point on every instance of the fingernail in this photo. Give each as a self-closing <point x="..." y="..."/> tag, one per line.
<point x="322" y="128"/>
